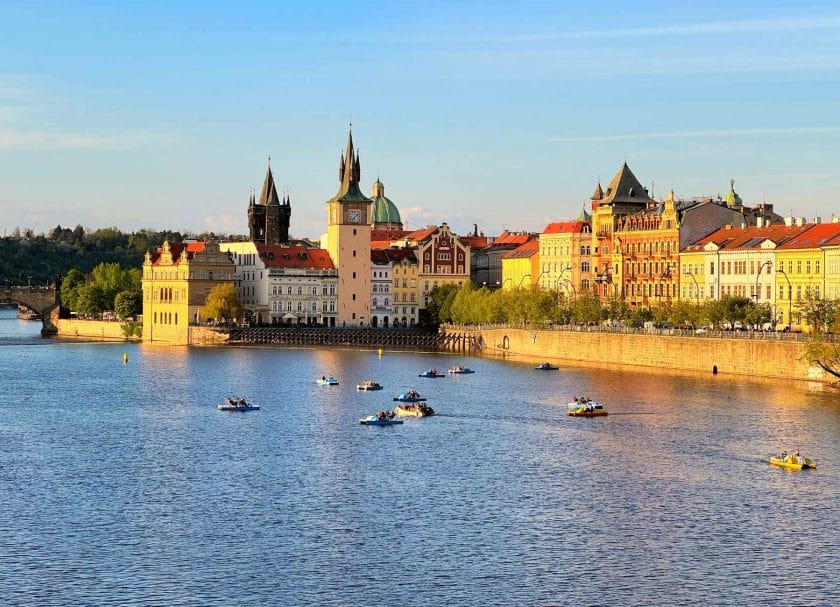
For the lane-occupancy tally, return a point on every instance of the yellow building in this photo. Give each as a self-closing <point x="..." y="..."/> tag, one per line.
<point x="801" y="265"/>
<point x="405" y="273"/>
<point x="831" y="266"/>
<point x="521" y="267"/>
<point x="348" y="241"/>
<point x="176" y="281"/>
<point x="565" y="256"/>
<point x="692" y="275"/>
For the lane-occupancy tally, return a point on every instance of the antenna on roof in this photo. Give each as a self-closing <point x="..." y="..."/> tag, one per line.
<point x="652" y="183"/>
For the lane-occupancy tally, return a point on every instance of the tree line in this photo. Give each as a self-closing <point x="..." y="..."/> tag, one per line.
<point x="38" y="259"/>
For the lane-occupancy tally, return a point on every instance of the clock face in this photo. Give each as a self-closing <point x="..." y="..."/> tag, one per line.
<point x="354" y="216"/>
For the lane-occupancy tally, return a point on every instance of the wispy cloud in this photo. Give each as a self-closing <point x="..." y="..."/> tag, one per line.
<point x="705" y="28"/>
<point x="807" y="130"/>
<point x="33" y="140"/>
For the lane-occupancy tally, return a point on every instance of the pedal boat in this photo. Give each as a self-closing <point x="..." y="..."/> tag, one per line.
<point x="431" y="373"/>
<point x="459" y="370"/>
<point x="590" y="409"/>
<point x="372" y="420"/>
<point x="414" y="410"/>
<point x="546" y="367"/>
<point x="794" y="463"/>
<point x="368" y="385"/>
<point x="237" y="404"/>
<point x="410" y="397"/>
<point x="328" y="381"/>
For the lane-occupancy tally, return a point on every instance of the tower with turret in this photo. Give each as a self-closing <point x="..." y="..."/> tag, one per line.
<point x="348" y="240"/>
<point x="269" y="217"/>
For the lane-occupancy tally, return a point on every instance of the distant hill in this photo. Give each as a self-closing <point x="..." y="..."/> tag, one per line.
<point x="26" y="258"/>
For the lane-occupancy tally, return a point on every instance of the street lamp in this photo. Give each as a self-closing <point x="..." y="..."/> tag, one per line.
<point x="688" y="272"/>
<point x="767" y="263"/>
<point x="522" y="279"/>
<point x="790" y="294"/>
<point x="568" y="282"/>
<point x="504" y="281"/>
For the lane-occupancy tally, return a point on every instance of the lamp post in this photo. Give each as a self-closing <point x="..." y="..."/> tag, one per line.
<point x="571" y="285"/>
<point x="504" y="281"/>
<point x="790" y="294"/>
<point x="522" y="279"/>
<point x="688" y="272"/>
<point x="767" y="263"/>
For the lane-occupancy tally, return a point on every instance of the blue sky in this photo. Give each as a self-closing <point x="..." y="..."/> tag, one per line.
<point x="502" y="114"/>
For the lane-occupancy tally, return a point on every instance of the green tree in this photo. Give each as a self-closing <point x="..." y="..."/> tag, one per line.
<point x="70" y="289"/>
<point x="819" y="313"/>
<point x="222" y="303"/>
<point x="91" y="300"/>
<point x="128" y="303"/>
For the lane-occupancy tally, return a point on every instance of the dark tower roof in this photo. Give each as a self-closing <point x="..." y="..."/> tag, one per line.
<point x="269" y="190"/>
<point x="598" y="194"/>
<point x="349" y="173"/>
<point x="625" y="188"/>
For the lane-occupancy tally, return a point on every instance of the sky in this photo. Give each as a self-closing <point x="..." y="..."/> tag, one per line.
<point x="501" y="114"/>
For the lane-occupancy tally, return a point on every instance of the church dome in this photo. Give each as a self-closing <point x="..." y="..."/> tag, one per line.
<point x="383" y="211"/>
<point x="732" y="199"/>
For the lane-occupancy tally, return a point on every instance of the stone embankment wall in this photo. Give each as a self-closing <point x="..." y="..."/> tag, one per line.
<point x="753" y="357"/>
<point x="90" y="329"/>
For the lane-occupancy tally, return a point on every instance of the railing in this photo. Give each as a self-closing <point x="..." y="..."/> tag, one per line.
<point x="712" y="334"/>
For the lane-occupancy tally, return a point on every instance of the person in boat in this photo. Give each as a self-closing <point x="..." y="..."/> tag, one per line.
<point x="798" y="458"/>
<point x="577" y="400"/>
<point x="323" y="378"/>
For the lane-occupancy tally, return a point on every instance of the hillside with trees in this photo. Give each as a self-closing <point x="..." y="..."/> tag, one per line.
<point x="37" y="259"/>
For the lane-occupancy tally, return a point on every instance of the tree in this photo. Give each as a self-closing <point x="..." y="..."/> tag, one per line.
<point x="69" y="288"/>
<point x="819" y="313"/>
<point x="128" y="303"/>
<point x="92" y="300"/>
<point x="222" y="303"/>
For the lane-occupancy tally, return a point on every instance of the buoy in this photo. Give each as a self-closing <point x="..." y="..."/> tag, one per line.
<point x="125" y="358"/>
<point x="379" y="352"/>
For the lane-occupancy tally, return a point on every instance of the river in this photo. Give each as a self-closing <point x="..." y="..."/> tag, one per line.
<point x="124" y="485"/>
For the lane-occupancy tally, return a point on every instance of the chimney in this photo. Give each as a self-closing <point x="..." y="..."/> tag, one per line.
<point x="817" y="219"/>
<point x="788" y="221"/>
<point x="759" y="222"/>
<point x="835" y="220"/>
<point x="728" y="226"/>
<point x="800" y="221"/>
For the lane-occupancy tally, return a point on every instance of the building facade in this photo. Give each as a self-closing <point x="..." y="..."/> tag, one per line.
<point x="520" y="267"/>
<point x="565" y="257"/>
<point x="176" y="281"/>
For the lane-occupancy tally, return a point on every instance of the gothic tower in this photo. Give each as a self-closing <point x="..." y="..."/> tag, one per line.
<point x="268" y="218"/>
<point x="348" y="240"/>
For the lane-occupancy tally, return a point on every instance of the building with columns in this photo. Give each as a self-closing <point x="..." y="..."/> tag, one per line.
<point x="348" y="241"/>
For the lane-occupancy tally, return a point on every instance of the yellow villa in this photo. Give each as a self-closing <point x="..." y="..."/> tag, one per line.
<point x="564" y="256"/>
<point x="176" y="281"/>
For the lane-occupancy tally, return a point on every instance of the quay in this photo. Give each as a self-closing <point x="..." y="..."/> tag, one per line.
<point x="768" y="356"/>
<point x="356" y="337"/>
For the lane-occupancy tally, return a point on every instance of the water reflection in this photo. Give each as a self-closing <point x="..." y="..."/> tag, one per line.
<point x="128" y="486"/>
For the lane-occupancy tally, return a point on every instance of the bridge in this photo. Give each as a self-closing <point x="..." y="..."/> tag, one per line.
<point x="42" y="300"/>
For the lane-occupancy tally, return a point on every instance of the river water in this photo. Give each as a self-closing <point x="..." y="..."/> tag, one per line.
<point x="123" y="485"/>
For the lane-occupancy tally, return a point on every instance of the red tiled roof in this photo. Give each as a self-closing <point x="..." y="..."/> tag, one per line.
<point x="176" y="249"/>
<point x="295" y="256"/>
<point x="513" y="238"/>
<point x="565" y="227"/>
<point x="817" y="236"/>
<point x="749" y="238"/>
<point x="529" y="249"/>
<point x="422" y="234"/>
<point x="387" y="235"/>
<point x="385" y="256"/>
<point x="476" y="242"/>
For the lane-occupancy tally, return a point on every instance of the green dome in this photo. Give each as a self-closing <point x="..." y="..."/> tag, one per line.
<point x="383" y="211"/>
<point x="732" y="199"/>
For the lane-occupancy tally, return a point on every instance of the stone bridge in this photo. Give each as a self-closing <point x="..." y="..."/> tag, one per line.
<point x="43" y="300"/>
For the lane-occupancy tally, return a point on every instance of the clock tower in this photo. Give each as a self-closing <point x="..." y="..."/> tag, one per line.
<point x="348" y="241"/>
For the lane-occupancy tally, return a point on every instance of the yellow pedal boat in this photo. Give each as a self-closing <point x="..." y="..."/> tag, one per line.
<point x="793" y="462"/>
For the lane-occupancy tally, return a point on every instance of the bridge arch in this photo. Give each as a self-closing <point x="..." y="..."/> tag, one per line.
<point x="43" y="300"/>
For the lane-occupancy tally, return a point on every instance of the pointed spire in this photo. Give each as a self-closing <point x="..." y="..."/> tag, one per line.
<point x="349" y="173"/>
<point x="598" y="194"/>
<point x="269" y="189"/>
